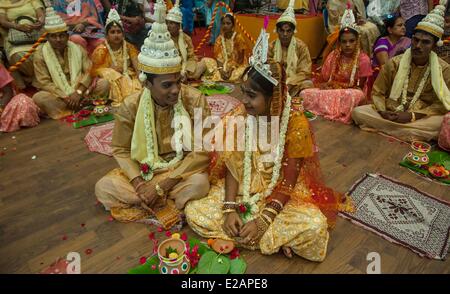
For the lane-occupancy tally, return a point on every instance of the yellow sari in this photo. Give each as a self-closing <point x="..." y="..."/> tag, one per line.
<point x="121" y="85"/>
<point x="233" y="56"/>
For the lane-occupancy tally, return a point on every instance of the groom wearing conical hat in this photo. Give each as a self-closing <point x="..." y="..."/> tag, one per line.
<point x="411" y="93"/>
<point x="156" y="177"/>
<point x="291" y="52"/>
<point x="62" y="72"/>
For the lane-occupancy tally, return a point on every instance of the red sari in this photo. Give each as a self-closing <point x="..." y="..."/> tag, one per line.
<point x="20" y="111"/>
<point x="342" y="95"/>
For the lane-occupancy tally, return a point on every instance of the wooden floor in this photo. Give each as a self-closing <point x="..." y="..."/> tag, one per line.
<point x="52" y="196"/>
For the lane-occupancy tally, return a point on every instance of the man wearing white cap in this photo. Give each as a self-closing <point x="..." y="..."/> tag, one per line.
<point x="62" y="71"/>
<point x="411" y="93"/>
<point x="183" y="42"/>
<point x="156" y="178"/>
<point x="292" y="53"/>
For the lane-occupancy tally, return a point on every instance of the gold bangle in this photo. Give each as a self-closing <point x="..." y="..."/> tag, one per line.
<point x="228" y="211"/>
<point x="271" y="210"/>
<point x="160" y="191"/>
<point x="279" y="202"/>
<point x="267" y="218"/>
<point x="413" y="117"/>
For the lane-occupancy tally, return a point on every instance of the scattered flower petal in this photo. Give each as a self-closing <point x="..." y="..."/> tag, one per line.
<point x="83" y="225"/>
<point x="64" y="238"/>
<point x="88" y="251"/>
<point x="110" y="218"/>
<point x="184" y="237"/>
<point x="168" y="234"/>
<point x="176" y="235"/>
<point x="160" y="229"/>
<point x="14" y="149"/>
<point x="13" y="137"/>
<point x="151" y="236"/>
<point x="118" y="257"/>
<point x="142" y="260"/>
<point x="153" y="267"/>
<point x="34" y="157"/>
<point x="234" y="253"/>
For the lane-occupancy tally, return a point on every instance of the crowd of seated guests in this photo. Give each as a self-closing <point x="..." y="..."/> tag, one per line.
<point x="370" y="42"/>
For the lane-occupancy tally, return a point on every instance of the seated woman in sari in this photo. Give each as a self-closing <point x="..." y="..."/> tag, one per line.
<point x="265" y="203"/>
<point x="368" y="31"/>
<point x="344" y="74"/>
<point x="85" y="28"/>
<point x="393" y="43"/>
<point x="15" y="110"/>
<point x="230" y="54"/>
<point x="26" y="16"/>
<point x="116" y="61"/>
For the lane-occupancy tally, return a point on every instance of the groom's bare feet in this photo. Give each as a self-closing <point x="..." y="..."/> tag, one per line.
<point x="287" y="251"/>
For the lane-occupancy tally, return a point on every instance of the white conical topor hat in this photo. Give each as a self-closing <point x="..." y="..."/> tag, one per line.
<point x="289" y="14"/>
<point x="175" y="13"/>
<point x="434" y="22"/>
<point x="53" y="22"/>
<point x="159" y="54"/>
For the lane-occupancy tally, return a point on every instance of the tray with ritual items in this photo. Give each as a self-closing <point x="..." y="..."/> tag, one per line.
<point x="433" y="165"/>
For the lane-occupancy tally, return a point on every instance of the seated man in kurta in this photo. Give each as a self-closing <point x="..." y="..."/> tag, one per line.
<point x="411" y="95"/>
<point x="156" y="177"/>
<point x="292" y="53"/>
<point x="62" y="71"/>
<point x="183" y="43"/>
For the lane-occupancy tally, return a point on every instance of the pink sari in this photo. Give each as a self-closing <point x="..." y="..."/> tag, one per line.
<point x="444" y="135"/>
<point x="338" y="103"/>
<point x="20" y="111"/>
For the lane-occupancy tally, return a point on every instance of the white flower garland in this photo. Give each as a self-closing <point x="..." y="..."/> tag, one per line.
<point x="124" y="54"/>
<point x="224" y="47"/>
<point x="416" y="96"/>
<point x="252" y="200"/>
<point x="355" y="66"/>
<point x="159" y="163"/>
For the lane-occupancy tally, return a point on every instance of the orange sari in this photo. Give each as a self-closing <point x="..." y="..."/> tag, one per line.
<point x="121" y="85"/>
<point x="232" y="56"/>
